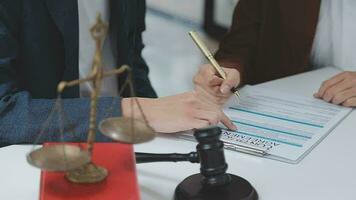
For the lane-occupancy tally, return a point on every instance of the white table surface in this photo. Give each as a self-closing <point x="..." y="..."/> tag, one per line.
<point x="328" y="172"/>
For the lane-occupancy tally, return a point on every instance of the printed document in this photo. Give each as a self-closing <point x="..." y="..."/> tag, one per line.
<point x="284" y="126"/>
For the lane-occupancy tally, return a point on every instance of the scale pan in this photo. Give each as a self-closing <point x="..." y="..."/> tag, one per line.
<point x="121" y="129"/>
<point x="59" y="157"/>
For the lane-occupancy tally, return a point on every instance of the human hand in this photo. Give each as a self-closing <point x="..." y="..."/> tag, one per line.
<point x="215" y="89"/>
<point x="178" y="113"/>
<point x="340" y="89"/>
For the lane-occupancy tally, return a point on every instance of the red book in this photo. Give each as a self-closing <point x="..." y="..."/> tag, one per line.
<point x="121" y="182"/>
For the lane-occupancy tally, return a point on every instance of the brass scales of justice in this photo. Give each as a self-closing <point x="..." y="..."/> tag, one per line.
<point x="74" y="159"/>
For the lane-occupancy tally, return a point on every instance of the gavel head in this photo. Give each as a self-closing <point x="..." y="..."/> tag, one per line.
<point x="212" y="159"/>
<point x="213" y="183"/>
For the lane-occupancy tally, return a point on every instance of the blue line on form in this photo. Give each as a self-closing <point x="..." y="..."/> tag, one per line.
<point x="275" y="117"/>
<point x="270" y="129"/>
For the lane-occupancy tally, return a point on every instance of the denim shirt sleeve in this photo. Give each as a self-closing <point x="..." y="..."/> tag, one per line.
<point x="23" y="118"/>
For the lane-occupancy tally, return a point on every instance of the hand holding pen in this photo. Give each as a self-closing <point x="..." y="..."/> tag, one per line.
<point x="214" y="82"/>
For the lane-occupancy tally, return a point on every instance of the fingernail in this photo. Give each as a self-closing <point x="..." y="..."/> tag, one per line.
<point x="225" y="89"/>
<point x="316" y="95"/>
<point x="234" y="127"/>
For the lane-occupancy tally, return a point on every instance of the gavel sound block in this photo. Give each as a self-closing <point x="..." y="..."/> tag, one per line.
<point x="212" y="183"/>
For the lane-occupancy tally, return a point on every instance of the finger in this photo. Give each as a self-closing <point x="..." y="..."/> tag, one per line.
<point x="344" y="95"/>
<point x="215" y="91"/>
<point x="227" y="122"/>
<point x="332" y="91"/>
<point x="351" y="102"/>
<point x="215" y="81"/>
<point x="328" y="83"/>
<point x="232" y="80"/>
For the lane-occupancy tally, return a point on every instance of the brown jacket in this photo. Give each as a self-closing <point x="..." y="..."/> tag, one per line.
<point x="270" y="39"/>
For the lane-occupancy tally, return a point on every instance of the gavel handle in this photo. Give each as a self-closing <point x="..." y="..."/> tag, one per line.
<point x="171" y="157"/>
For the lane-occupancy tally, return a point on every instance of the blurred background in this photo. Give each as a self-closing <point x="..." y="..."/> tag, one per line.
<point x="171" y="55"/>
